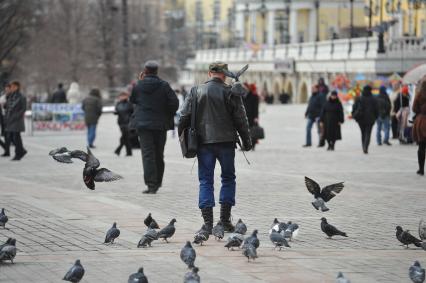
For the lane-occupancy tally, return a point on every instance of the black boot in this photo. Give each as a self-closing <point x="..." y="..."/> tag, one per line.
<point x="225" y="217"/>
<point x="207" y="214"/>
<point x="421" y="160"/>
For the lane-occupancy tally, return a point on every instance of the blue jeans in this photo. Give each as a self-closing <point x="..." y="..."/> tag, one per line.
<point x="91" y="134"/>
<point x="207" y="156"/>
<point x="309" y="129"/>
<point x="385" y="124"/>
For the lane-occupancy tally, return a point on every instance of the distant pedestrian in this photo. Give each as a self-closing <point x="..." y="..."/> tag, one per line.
<point x="312" y="114"/>
<point x="92" y="107"/>
<point x="59" y="96"/>
<point x="383" y="121"/>
<point x="124" y="110"/>
<point x="365" y="111"/>
<point x="419" y="128"/>
<point x="323" y="91"/>
<point x="402" y="110"/>
<point x="155" y="107"/>
<point x="15" y="107"/>
<point x="251" y="103"/>
<point x="332" y="117"/>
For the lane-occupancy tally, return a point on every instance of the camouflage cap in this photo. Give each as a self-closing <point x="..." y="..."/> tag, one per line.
<point x="218" y="67"/>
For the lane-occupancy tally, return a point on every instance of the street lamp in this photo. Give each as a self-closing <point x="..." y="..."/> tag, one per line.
<point x="352" y="19"/>
<point x="317" y="5"/>
<point x="262" y="10"/>
<point x="369" y="11"/>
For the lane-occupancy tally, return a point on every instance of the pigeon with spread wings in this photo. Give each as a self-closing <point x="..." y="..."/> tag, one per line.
<point x="324" y="195"/>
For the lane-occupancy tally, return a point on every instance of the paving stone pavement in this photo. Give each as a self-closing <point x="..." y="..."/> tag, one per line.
<point x="56" y="220"/>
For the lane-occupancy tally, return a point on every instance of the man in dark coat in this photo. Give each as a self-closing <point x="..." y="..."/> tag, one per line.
<point x="59" y="96"/>
<point x="155" y="107"/>
<point x="312" y="114"/>
<point x="15" y="107"/>
<point x="383" y="121"/>
<point x="220" y="116"/>
<point x="92" y="107"/>
<point x="251" y="104"/>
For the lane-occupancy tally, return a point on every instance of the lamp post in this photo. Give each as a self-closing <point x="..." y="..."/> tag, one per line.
<point x="370" y="11"/>
<point x="317" y="5"/>
<point x="262" y="10"/>
<point x="351" y="27"/>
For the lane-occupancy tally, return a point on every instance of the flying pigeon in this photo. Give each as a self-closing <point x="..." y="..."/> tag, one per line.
<point x="168" y="231"/>
<point x="188" y="255"/>
<point x="278" y="226"/>
<point x="240" y="227"/>
<point x="3" y="218"/>
<point x="149" y="236"/>
<point x="60" y="150"/>
<point x="75" y="273"/>
<point x="250" y="252"/>
<point x="201" y="235"/>
<point x="112" y="234"/>
<point x="236" y="75"/>
<point x="341" y="279"/>
<point x="138" y="277"/>
<point x="422" y="230"/>
<point x="8" y="241"/>
<point x="218" y="231"/>
<point x="8" y="251"/>
<point x="91" y="173"/>
<point x="192" y="276"/>
<point x="252" y="240"/>
<point x="416" y="273"/>
<point x="324" y="195"/>
<point x="406" y="238"/>
<point x="330" y="230"/>
<point x="234" y="241"/>
<point x="292" y="231"/>
<point x="148" y="220"/>
<point x="278" y="240"/>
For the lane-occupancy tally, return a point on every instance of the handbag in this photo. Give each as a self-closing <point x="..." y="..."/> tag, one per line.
<point x="257" y="132"/>
<point x="189" y="138"/>
<point x="358" y="114"/>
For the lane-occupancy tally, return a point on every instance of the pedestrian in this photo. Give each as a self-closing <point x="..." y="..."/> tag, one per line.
<point x="220" y="115"/>
<point x="124" y="110"/>
<point x="155" y="106"/>
<point x="92" y="107"/>
<point x="383" y="121"/>
<point x="402" y="110"/>
<point x="313" y="111"/>
<point x="365" y="112"/>
<point x="15" y="107"/>
<point x="251" y="104"/>
<point x="59" y="96"/>
<point x="419" y="127"/>
<point x="332" y="117"/>
<point x="394" y="121"/>
<point x="323" y="91"/>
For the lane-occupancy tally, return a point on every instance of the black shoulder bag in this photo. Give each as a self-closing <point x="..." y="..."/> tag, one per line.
<point x="189" y="139"/>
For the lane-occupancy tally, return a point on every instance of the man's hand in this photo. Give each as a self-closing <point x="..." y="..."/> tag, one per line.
<point x="247" y="145"/>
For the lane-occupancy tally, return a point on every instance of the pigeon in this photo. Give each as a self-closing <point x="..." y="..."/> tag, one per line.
<point x="278" y="226"/>
<point x="240" y="227"/>
<point x="60" y="150"/>
<point x="91" y="173"/>
<point x="148" y="220"/>
<point x="341" y="279"/>
<point x="292" y="231"/>
<point x="234" y="241"/>
<point x="324" y="195"/>
<point x="75" y="273"/>
<point x="138" y="277"/>
<point x="149" y="236"/>
<point x="236" y="75"/>
<point x="188" y="255"/>
<point x="252" y="240"/>
<point x="422" y="230"/>
<point x="416" y="273"/>
<point x="406" y="238"/>
<point x="330" y="230"/>
<point x="8" y="251"/>
<point x="218" y="231"/>
<point x="112" y="234"/>
<point x="423" y="245"/>
<point x="250" y="252"/>
<point x="192" y="276"/>
<point x="201" y="235"/>
<point x="278" y="240"/>
<point x="168" y="231"/>
<point x="3" y="218"/>
<point x="8" y="241"/>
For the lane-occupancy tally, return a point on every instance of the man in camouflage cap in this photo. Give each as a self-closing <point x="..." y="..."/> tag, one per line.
<point x="220" y="117"/>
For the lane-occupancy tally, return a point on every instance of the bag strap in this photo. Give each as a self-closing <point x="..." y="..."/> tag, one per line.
<point x="194" y="108"/>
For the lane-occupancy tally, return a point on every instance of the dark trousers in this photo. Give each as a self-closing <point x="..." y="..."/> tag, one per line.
<point x="16" y="139"/>
<point x="394" y="121"/>
<point x="421" y="154"/>
<point x="152" y="147"/>
<point x="124" y="141"/>
<point x="365" y="135"/>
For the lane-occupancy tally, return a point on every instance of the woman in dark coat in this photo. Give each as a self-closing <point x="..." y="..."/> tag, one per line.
<point x="331" y="118"/>
<point x="251" y="103"/>
<point x="124" y="110"/>
<point x="419" y="127"/>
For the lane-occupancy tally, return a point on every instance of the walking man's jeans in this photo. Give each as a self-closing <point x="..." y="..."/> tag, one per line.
<point x="91" y="134"/>
<point x="365" y="135"/>
<point x="207" y="156"/>
<point x="309" y="125"/>
<point x="383" y="124"/>
<point x="152" y="147"/>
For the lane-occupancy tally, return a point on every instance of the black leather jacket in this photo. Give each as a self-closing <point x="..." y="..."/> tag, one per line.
<point x="220" y="114"/>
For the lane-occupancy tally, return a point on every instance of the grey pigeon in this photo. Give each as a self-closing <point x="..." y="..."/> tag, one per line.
<point x="138" y="277"/>
<point x="8" y="251"/>
<point x="278" y="226"/>
<point x="278" y="240"/>
<point x="218" y="231"/>
<point x="168" y="231"/>
<point x="149" y="236"/>
<point x="292" y="231"/>
<point x="424" y="245"/>
<point x="422" y="230"/>
<point x="236" y="75"/>
<point x="416" y="273"/>
<point x="330" y="230"/>
<point x="240" y="227"/>
<point x="406" y="238"/>
<point x="75" y="274"/>
<point x="3" y="218"/>
<point x="324" y="195"/>
<point x="192" y="276"/>
<point x="234" y="241"/>
<point x="8" y="241"/>
<point x="250" y="252"/>
<point x="148" y="220"/>
<point x="112" y="234"/>
<point x="252" y="240"/>
<point x="201" y="235"/>
<point x="59" y="150"/>
<point x="341" y="279"/>
<point x="188" y="255"/>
